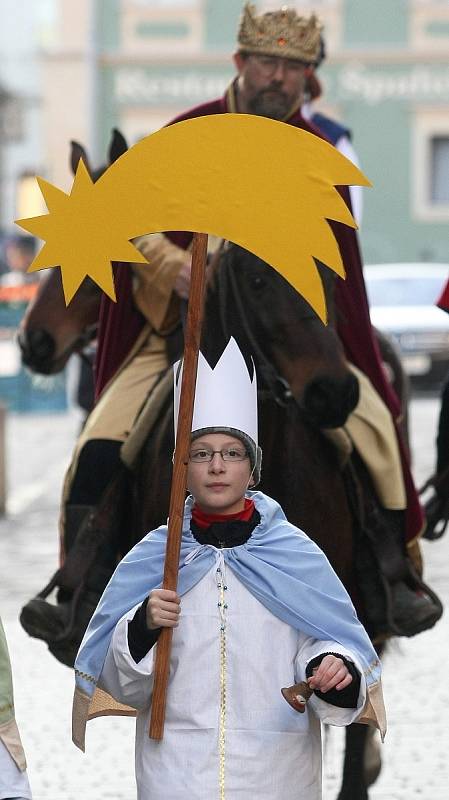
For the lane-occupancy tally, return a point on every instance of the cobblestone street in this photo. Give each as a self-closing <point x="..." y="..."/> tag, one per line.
<point x="415" y="671"/>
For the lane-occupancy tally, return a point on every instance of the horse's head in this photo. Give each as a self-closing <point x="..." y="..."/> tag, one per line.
<point x="296" y="355"/>
<point x="50" y="331"/>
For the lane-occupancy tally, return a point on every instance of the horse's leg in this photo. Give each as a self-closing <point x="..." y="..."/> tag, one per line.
<point x="362" y="762"/>
<point x="372" y="759"/>
<point x="354" y="785"/>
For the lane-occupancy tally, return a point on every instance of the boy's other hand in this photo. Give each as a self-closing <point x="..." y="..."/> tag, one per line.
<point x="331" y="674"/>
<point x="163" y="609"/>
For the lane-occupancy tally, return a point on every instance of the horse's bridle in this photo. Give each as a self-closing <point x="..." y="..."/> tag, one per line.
<point x="277" y="385"/>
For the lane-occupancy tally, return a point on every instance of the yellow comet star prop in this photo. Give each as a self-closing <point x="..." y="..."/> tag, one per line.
<point x="262" y="184"/>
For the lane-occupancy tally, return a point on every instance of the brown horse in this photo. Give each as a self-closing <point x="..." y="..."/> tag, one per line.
<point x="50" y="331"/>
<point x="305" y="386"/>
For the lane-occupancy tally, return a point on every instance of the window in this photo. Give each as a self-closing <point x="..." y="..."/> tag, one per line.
<point x="430" y="165"/>
<point x="439" y="174"/>
<point x="170" y="4"/>
<point x="429" y="25"/>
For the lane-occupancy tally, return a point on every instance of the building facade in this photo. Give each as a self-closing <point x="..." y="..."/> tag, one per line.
<point x="21" y="143"/>
<point x="134" y="64"/>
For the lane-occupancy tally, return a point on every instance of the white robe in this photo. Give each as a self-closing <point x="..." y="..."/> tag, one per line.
<point x="229" y="733"/>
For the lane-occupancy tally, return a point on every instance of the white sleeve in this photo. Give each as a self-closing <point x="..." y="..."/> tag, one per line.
<point x="327" y="713"/>
<point x="345" y="147"/>
<point x="13" y="782"/>
<point x="121" y="677"/>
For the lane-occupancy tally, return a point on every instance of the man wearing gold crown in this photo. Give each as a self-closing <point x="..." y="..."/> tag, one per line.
<point x="247" y="579"/>
<point x="275" y="56"/>
<point x="335" y="131"/>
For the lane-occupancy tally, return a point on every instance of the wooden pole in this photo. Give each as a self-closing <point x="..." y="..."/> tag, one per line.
<point x="192" y="336"/>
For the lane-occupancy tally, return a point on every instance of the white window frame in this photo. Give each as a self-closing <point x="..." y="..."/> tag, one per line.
<point x="422" y="14"/>
<point x="164" y="5"/>
<point x="428" y="124"/>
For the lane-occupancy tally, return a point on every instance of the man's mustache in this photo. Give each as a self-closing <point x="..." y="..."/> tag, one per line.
<point x="270" y="89"/>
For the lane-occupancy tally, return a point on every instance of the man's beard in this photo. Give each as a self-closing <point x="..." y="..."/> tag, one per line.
<point x="270" y="103"/>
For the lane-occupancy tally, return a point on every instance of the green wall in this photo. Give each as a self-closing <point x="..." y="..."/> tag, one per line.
<point x="221" y="23"/>
<point x="375" y="22"/>
<point x="377" y="99"/>
<point x="383" y="141"/>
<point x="379" y="103"/>
<point x="108" y="23"/>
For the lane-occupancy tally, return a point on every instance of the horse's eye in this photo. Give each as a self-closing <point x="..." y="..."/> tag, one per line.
<point x="257" y="283"/>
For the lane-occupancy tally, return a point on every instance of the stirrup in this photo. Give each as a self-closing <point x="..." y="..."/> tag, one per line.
<point x="416" y="622"/>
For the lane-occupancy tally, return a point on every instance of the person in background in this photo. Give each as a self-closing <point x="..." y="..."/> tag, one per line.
<point x="338" y="134"/>
<point x="443" y="424"/>
<point x="19" y="252"/>
<point x="437" y="506"/>
<point x="14" y="783"/>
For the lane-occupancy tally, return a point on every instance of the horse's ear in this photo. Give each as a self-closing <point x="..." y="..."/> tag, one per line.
<point x="118" y="145"/>
<point x="78" y="152"/>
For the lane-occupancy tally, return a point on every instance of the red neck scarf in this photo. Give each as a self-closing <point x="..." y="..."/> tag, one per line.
<point x="204" y="520"/>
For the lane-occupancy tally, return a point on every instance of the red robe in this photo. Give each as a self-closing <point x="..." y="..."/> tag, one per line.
<point x="443" y="301"/>
<point x="354" y="326"/>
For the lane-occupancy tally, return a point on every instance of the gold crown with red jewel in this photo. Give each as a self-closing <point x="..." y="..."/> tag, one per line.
<point x="280" y="33"/>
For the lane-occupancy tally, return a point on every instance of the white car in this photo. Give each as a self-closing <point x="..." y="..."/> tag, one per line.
<point x="402" y="301"/>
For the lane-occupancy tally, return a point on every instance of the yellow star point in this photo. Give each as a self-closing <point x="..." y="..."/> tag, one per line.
<point x="104" y="278"/>
<point x="54" y="198"/>
<point x="83" y="183"/>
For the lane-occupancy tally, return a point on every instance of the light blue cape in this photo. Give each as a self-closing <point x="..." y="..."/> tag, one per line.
<point x="279" y="565"/>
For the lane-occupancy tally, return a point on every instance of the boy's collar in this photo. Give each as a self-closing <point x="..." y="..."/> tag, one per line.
<point x="204" y="519"/>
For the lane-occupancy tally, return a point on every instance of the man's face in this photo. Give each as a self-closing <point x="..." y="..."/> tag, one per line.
<point x="269" y="85"/>
<point x="219" y="485"/>
<point x="18" y="259"/>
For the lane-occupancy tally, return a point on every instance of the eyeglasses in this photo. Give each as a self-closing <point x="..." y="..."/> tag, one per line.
<point x="204" y="455"/>
<point x="269" y="64"/>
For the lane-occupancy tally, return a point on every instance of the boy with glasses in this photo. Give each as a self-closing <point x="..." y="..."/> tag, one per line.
<point x="258" y="608"/>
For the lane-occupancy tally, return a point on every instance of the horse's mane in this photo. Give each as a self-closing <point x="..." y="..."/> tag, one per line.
<point x="222" y="318"/>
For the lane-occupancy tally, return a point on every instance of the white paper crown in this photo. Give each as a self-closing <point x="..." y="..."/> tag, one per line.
<point x="225" y="397"/>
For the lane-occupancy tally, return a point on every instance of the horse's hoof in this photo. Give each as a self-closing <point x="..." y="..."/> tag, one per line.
<point x="414" y="610"/>
<point x="65" y="653"/>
